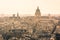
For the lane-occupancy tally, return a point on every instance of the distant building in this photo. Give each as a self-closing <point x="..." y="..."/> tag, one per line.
<point x="13" y="15"/>
<point x="38" y="13"/>
<point x="18" y="15"/>
<point x="30" y="23"/>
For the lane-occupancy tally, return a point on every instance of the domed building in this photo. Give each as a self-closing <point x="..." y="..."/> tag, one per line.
<point x="37" y="13"/>
<point x="30" y="23"/>
<point x="39" y="22"/>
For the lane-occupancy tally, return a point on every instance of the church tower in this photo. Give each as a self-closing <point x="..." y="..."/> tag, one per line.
<point x="38" y="13"/>
<point x="18" y="15"/>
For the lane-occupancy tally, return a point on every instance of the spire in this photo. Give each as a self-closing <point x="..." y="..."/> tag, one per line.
<point x="37" y="13"/>
<point x="38" y="9"/>
<point x="18" y="15"/>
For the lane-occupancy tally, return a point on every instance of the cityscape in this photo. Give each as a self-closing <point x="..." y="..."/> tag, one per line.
<point x="35" y="27"/>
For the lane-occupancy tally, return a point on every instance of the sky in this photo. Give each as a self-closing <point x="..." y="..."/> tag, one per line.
<point x="28" y="7"/>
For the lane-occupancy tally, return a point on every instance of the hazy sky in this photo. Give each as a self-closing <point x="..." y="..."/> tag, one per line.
<point x="28" y="7"/>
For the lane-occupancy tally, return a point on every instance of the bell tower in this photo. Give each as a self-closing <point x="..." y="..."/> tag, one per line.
<point x="38" y="13"/>
<point x="18" y="15"/>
